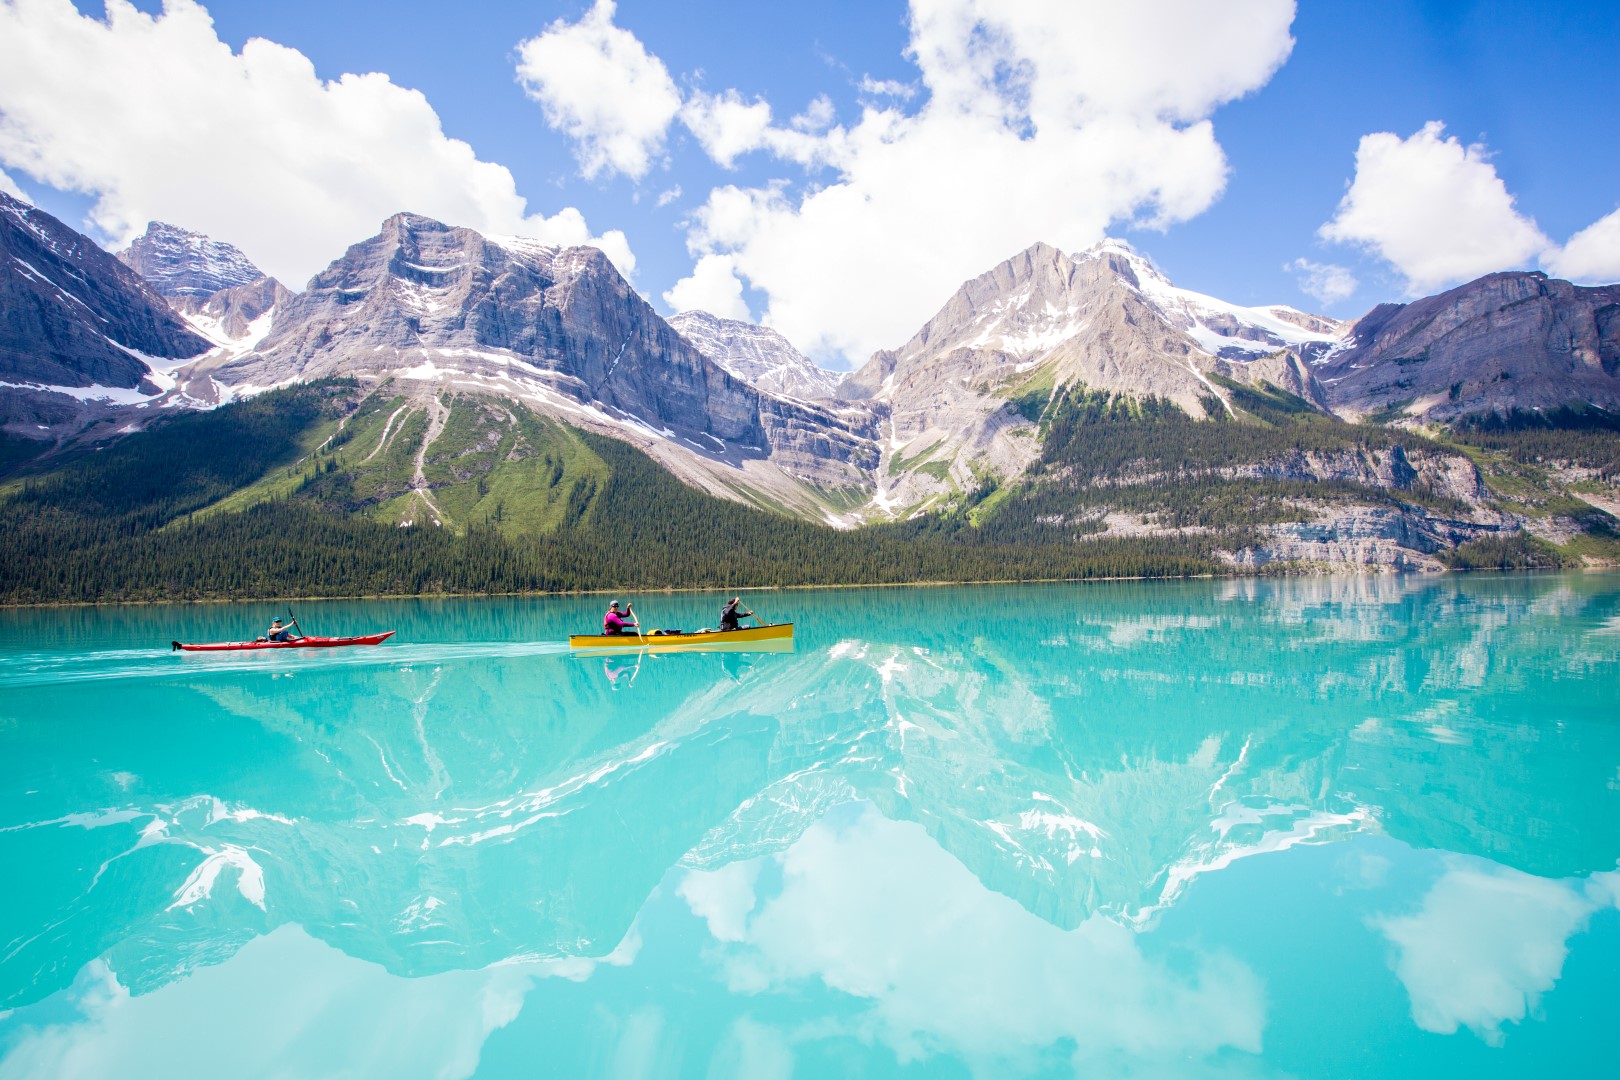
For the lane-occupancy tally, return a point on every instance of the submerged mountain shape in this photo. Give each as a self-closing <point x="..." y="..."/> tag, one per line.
<point x="180" y="263"/>
<point x="436" y="307"/>
<point x="755" y="354"/>
<point x="1505" y="342"/>
<point x="74" y="317"/>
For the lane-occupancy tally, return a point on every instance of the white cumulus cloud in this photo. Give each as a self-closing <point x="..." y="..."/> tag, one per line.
<point x="159" y="119"/>
<point x="1327" y="282"/>
<point x="1434" y="209"/>
<point x="599" y="85"/>
<point x="1488" y="942"/>
<point x="1592" y="255"/>
<point x="887" y="87"/>
<point x="713" y="287"/>
<point x="1037" y="121"/>
<point x="10" y="187"/>
<point x="725" y="125"/>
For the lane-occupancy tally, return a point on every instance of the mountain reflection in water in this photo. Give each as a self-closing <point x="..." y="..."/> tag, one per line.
<point x="977" y="811"/>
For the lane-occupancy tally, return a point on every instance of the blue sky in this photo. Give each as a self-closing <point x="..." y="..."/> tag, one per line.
<point x="954" y="174"/>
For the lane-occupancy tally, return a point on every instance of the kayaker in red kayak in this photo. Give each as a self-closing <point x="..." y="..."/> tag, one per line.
<point x="278" y="632"/>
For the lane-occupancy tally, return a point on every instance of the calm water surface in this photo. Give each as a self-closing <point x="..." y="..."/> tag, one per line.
<point x="1334" y="827"/>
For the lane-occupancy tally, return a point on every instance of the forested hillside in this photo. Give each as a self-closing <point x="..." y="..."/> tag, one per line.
<point x="334" y="488"/>
<point x="224" y="504"/>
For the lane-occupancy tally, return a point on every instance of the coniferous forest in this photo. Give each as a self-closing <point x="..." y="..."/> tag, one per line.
<point x="277" y="497"/>
<point x="124" y="524"/>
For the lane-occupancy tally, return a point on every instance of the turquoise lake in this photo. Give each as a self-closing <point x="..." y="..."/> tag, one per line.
<point x="1328" y="827"/>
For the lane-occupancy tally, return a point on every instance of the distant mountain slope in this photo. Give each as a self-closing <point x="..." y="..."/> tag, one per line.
<point x="1229" y="331"/>
<point x="180" y="263"/>
<point x="1066" y="413"/>
<point x="1517" y="340"/>
<point x="559" y="330"/>
<point x="72" y="316"/>
<point x="757" y="355"/>
<point x="956" y="393"/>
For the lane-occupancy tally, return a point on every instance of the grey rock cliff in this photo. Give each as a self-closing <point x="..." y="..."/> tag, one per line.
<point x="1042" y="321"/>
<point x="72" y="315"/>
<point x="180" y="263"/>
<point x="237" y="316"/>
<point x="757" y="355"/>
<point x="1506" y="341"/>
<point x="558" y="328"/>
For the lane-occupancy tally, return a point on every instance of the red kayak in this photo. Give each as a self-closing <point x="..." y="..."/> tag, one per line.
<point x="297" y="643"/>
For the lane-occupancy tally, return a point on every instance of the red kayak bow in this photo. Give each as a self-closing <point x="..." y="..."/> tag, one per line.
<point x="298" y="643"/>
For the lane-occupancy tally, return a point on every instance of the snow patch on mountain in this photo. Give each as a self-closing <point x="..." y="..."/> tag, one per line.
<point x="214" y="328"/>
<point x="1229" y="331"/>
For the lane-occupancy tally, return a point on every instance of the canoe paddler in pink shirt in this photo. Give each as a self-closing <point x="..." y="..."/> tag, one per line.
<point x="616" y="623"/>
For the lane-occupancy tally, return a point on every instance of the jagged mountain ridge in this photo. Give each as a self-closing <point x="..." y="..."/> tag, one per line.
<point x="1043" y="321"/>
<point x="558" y="329"/>
<point x="443" y="320"/>
<point x="237" y="317"/>
<point x="757" y="355"/>
<point x="179" y="263"/>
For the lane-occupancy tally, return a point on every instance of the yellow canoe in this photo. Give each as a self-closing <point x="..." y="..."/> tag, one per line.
<point x="743" y="635"/>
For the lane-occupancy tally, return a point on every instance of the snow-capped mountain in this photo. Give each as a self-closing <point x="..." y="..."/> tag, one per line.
<point x="79" y="331"/>
<point x="214" y="287"/>
<point x="1043" y="321"/>
<point x="757" y="355"/>
<point x="238" y="318"/>
<point x="558" y="329"/>
<point x="180" y="263"/>
<point x="1229" y="331"/>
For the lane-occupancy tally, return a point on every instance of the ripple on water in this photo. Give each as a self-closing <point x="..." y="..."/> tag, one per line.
<point x="58" y="668"/>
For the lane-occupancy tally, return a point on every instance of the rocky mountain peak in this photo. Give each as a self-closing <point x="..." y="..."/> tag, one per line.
<point x="436" y="307"/>
<point x="755" y="354"/>
<point x="1125" y="260"/>
<point x="180" y="263"/>
<point x="1221" y="329"/>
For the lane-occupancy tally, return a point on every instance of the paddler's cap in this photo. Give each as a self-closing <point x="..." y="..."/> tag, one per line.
<point x="274" y="621"/>
<point x="613" y="605"/>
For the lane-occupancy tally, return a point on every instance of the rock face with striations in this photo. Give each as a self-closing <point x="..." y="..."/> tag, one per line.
<point x="560" y="329"/>
<point x="1042" y="321"/>
<point x="1506" y="341"/>
<point x="179" y="263"/>
<point x="757" y="355"/>
<point x="72" y="315"/>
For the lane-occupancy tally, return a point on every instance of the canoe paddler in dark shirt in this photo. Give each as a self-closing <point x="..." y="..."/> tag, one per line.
<point x="730" y="613"/>
<point x="616" y="623"/>
<point x="278" y="632"/>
